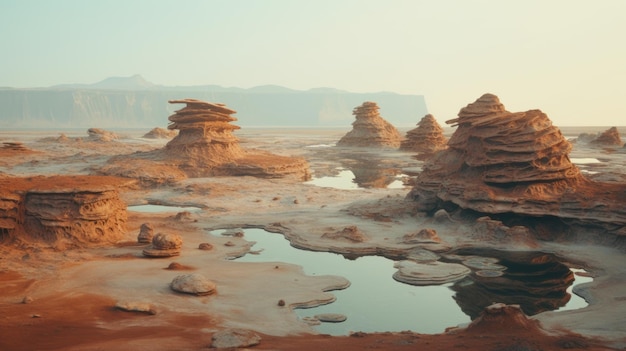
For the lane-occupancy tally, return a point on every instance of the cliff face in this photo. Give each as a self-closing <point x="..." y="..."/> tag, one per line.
<point x="84" y="108"/>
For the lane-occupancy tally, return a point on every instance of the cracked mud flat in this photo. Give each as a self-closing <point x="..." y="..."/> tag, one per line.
<point x="74" y="291"/>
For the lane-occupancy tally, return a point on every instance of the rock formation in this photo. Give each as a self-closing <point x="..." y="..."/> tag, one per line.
<point x="97" y="134"/>
<point x="164" y="245"/>
<point x="62" y="210"/>
<point x="146" y="233"/>
<point x="160" y="133"/>
<point x="429" y="273"/>
<point x="195" y="284"/>
<point x="370" y="129"/>
<point x="503" y="162"/>
<point x="609" y="137"/>
<point x="426" y="139"/>
<point x="205" y="146"/>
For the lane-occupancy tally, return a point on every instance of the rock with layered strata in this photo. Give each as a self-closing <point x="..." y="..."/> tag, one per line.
<point x="513" y="162"/>
<point x="146" y="233"/>
<point x="429" y="272"/>
<point x="350" y="233"/>
<point x="370" y="129"/>
<point x="97" y="134"/>
<point x="205" y="146"/>
<point x="160" y="133"/>
<point x="609" y="137"/>
<point x="62" y="210"/>
<point x="164" y="245"/>
<point x="426" y="139"/>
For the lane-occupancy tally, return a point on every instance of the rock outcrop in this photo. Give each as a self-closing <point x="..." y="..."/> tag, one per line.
<point x="97" y="134"/>
<point x="160" y="133"/>
<point x="503" y="162"/>
<point x="426" y="139"/>
<point x="609" y="137"/>
<point x="205" y="146"/>
<point x="62" y="210"/>
<point x="370" y="129"/>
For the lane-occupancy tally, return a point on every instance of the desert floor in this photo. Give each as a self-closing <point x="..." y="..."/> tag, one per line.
<point x="74" y="291"/>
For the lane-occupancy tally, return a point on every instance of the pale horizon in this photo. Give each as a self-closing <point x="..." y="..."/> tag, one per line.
<point x="565" y="58"/>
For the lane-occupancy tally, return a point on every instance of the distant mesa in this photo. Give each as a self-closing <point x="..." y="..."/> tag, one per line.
<point x="160" y="133"/>
<point x="501" y="162"/>
<point x="205" y="146"/>
<point x="370" y="129"/>
<point x="609" y="137"/>
<point x="426" y="139"/>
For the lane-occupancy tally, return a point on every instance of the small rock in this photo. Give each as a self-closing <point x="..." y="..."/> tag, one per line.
<point x="234" y="338"/>
<point x="146" y="233"/>
<point x="134" y="306"/>
<point x="27" y="299"/>
<point x="205" y="246"/>
<point x="164" y="245"/>
<point x="331" y="317"/>
<point x="281" y="302"/>
<point x="175" y="266"/>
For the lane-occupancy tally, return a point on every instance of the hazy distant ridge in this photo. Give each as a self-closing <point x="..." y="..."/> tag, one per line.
<point x="133" y="102"/>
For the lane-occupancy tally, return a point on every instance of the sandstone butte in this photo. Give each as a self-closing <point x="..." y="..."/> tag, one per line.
<point x="205" y="146"/>
<point x="370" y="129"/>
<point x="426" y="139"/>
<point x="515" y="163"/>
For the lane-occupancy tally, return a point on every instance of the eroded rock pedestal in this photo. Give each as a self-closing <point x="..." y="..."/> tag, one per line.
<point x="426" y="139"/>
<point x="370" y="129"/>
<point x="62" y="210"/>
<point x="503" y="162"/>
<point x="205" y="146"/>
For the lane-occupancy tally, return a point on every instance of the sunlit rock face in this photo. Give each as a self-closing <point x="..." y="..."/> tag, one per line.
<point x="609" y="137"/>
<point x="426" y="139"/>
<point x="503" y="162"/>
<point x="62" y="210"/>
<point x="370" y="129"/>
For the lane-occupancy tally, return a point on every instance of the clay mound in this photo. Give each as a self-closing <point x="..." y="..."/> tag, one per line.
<point x="426" y="139"/>
<point x="160" y="133"/>
<point x="370" y="129"/>
<point x="62" y="210"/>
<point x="503" y="318"/>
<point x="609" y="137"/>
<point x="97" y="134"/>
<point x="503" y="162"/>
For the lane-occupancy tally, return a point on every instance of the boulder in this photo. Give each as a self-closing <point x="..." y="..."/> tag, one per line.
<point x="194" y="284"/>
<point x="146" y="232"/>
<point x="164" y="245"/>
<point x="370" y="129"/>
<point x="234" y="338"/>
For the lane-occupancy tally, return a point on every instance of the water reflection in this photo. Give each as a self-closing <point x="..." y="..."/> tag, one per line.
<point x="536" y="281"/>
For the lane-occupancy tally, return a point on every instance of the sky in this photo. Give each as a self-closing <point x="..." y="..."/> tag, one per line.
<point x="564" y="57"/>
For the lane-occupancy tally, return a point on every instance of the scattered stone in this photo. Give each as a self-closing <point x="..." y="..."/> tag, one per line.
<point x="183" y="216"/>
<point x="205" y="246"/>
<point x="370" y="129"/>
<point x="229" y="243"/>
<point x="164" y="245"/>
<point x="350" y="233"/>
<point x="27" y="300"/>
<point x="281" y="302"/>
<point x="146" y="233"/>
<point x="423" y="236"/>
<point x="194" y="283"/>
<point x="234" y="232"/>
<point x="175" y="266"/>
<point x="429" y="273"/>
<point x="426" y="139"/>
<point x="36" y="315"/>
<point x="134" y="306"/>
<point x="234" y="338"/>
<point x="331" y="317"/>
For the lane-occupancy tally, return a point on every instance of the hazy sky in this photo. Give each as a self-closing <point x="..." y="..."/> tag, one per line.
<point x="565" y="57"/>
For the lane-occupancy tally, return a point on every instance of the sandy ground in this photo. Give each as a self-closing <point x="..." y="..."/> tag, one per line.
<point x="74" y="292"/>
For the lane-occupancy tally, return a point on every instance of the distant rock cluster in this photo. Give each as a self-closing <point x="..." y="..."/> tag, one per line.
<point x="426" y="139"/>
<point x="513" y="162"/>
<point x="609" y="137"/>
<point x="370" y="129"/>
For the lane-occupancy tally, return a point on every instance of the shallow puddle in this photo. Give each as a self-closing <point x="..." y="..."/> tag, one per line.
<point x="365" y="178"/>
<point x="375" y="302"/>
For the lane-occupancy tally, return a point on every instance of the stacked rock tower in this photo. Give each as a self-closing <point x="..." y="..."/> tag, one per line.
<point x="426" y="139"/>
<point x="370" y="129"/>
<point x="503" y="162"/>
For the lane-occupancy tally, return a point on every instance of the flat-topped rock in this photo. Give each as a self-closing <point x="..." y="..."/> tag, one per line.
<point x="429" y="273"/>
<point x="195" y="284"/>
<point x="164" y="245"/>
<point x="370" y="129"/>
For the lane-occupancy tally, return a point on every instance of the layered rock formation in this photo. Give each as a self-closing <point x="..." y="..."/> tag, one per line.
<point x="62" y="210"/>
<point x="503" y="162"/>
<point x="205" y="146"/>
<point x="426" y="139"/>
<point x="609" y="137"/>
<point x="370" y="129"/>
